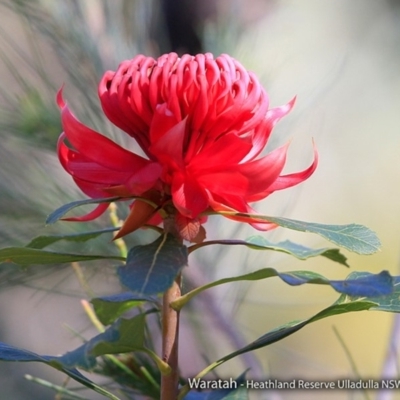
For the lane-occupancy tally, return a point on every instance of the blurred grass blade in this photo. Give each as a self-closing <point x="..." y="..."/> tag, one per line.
<point x="43" y="241"/>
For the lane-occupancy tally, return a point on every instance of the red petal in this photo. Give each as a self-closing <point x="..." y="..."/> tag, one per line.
<point x="286" y="181"/>
<point x="237" y="205"/>
<point x="262" y="173"/>
<point x="169" y="147"/>
<point x="263" y="131"/>
<point x="140" y="213"/>
<point x="189" y="198"/>
<point x="221" y="183"/>
<point x="115" y="96"/>
<point x="225" y="151"/>
<point x="99" y="210"/>
<point x="93" y="190"/>
<point x="201" y="107"/>
<point x="275" y="114"/>
<point x="95" y="146"/>
<point x="80" y="166"/>
<point x="144" y="179"/>
<point x="163" y="120"/>
<point x="84" y="169"/>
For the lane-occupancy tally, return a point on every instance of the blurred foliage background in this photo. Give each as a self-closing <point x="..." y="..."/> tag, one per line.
<point x="341" y="59"/>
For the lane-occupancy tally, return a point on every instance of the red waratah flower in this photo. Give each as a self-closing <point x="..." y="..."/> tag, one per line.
<point x="202" y="123"/>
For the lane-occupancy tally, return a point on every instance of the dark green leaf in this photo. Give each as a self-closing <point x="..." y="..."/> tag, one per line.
<point x="288" y="247"/>
<point x="25" y="256"/>
<point x="353" y="237"/>
<point x="109" y="308"/>
<point x="42" y="241"/>
<point x="367" y="285"/>
<point x="61" y="211"/>
<point x="288" y="329"/>
<point x="11" y="353"/>
<point x="151" y="269"/>
<point x="294" y="326"/>
<point x="123" y="336"/>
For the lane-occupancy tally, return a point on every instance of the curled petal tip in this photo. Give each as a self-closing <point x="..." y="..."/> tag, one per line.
<point x="99" y="210"/>
<point x="59" y="97"/>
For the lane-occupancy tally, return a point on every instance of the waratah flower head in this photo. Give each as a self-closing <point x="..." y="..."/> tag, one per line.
<point x="202" y="123"/>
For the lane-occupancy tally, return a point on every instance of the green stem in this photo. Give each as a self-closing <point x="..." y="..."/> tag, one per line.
<point x="120" y="243"/>
<point x="170" y="340"/>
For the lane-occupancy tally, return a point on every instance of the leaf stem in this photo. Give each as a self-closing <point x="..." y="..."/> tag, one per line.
<point x="170" y="340"/>
<point x="120" y="243"/>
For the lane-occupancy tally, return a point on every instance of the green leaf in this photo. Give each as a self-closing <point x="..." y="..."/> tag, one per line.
<point x="109" y="308"/>
<point x="43" y="241"/>
<point x="25" y="256"/>
<point x="151" y="269"/>
<point x="344" y="304"/>
<point x="294" y="326"/>
<point x="122" y="337"/>
<point x="353" y="237"/>
<point x="61" y="211"/>
<point x="284" y="331"/>
<point x="367" y="285"/>
<point x="11" y="353"/>
<point x="288" y="247"/>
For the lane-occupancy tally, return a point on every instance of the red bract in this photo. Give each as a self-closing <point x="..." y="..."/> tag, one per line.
<point x="202" y="122"/>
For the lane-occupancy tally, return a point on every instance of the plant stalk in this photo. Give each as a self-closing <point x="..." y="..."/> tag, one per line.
<point x="170" y="341"/>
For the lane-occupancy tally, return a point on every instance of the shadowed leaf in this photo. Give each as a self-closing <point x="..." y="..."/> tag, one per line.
<point x="11" y="353"/>
<point x="151" y="269"/>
